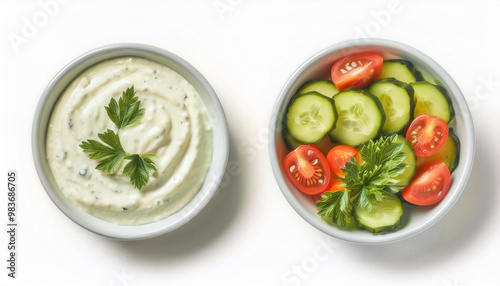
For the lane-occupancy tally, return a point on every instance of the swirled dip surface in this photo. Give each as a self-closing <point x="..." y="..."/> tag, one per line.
<point x="175" y="128"/>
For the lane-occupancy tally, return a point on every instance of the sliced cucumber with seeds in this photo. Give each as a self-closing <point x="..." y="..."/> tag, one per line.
<point x="360" y="117"/>
<point x="323" y="86"/>
<point x="411" y="167"/>
<point x="397" y="99"/>
<point x="310" y="117"/>
<point x="433" y="100"/>
<point x="385" y="215"/>
<point x="401" y="70"/>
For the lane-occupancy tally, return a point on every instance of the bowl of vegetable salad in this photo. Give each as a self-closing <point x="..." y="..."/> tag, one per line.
<point x="372" y="141"/>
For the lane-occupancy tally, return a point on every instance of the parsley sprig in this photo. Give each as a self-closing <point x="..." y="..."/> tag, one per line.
<point x="127" y="111"/>
<point x="110" y="155"/>
<point x="365" y="183"/>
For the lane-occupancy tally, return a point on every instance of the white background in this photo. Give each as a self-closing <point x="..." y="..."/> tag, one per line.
<point x="248" y="234"/>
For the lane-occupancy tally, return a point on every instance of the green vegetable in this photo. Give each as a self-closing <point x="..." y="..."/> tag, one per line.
<point x="433" y="100"/>
<point x="126" y="111"/>
<point x="139" y="168"/>
<point x="410" y="161"/>
<point x="401" y="70"/>
<point x="322" y="86"/>
<point x="336" y="207"/>
<point x="367" y="183"/>
<point x="384" y="161"/>
<point x="361" y="117"/>
<point x="397" y="100"/>
<point x="111" y="154"/>
<point x="310" y="117"/>
<point x="385" y="215"/>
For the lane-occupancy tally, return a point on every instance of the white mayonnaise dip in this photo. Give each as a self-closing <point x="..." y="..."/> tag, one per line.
<point x="175" y="128"/>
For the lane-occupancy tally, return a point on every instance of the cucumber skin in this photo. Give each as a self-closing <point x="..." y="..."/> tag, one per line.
<point x="403" y="139"/>
<point x="387" y="228"/>
<point x="307" y="84"/>
<point x="446" y="96"/>
<point x="290" y="142"/>
<point x="285" y="125"/>
<point x="416" y="73"/>
<point x="380" y="107"/>
<point x="456" y="160"/>
<point x="445" y="93"/>
<point x="411" y="93"/>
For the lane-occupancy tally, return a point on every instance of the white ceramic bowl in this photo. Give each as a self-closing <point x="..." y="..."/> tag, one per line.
<point x="215" y="113"/>
<point x="416" y="219"/>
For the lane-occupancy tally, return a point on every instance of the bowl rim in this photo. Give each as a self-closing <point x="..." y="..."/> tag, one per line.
<point x="217" y="166"/>
<point x="275" y="132"/>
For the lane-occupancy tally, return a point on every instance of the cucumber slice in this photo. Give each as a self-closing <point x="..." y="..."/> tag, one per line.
<point x="290" y="142"/>
<point x="410" y="169"/>
<point x="401" y="70"/>
<point x="385" y="216"/>
<point x="310" y="117"/>
<point x="433" y="100"/>
<point x="449" y="153"/>
<point x="323" y="86"/>
<point x="361" y="117"/>
<point x="397" y="99"/>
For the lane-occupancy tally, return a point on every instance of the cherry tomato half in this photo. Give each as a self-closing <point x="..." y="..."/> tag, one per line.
<point x="429" y="186"/>
<point x="308" y="169"/>
<point x="357" y="70"/>
<point x="335" y="185"/>
<point x="338" y="156"/>
<point x="427" y="134"/>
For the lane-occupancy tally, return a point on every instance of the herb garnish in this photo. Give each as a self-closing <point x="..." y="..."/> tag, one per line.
<point x="123" y="113"/>
<point x="366" y="183"/>
<point x="127" y="111"/>
<point x="111" y="155"/>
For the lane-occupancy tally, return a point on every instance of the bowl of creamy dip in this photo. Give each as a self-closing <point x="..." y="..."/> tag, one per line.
<point x="183" y="127"/>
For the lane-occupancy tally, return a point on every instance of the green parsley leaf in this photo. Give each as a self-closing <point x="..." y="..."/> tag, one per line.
<point x="336" y="207"/>
<point x="139" y="168"/>
<point x="385" y="158"/>
<point x="111" y="155"/>
<point x="365" y="183"/>
<point x="127" y="111"/>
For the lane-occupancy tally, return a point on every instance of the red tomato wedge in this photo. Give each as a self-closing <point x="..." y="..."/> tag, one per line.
<point x="308" y="169"/>
<point x="335" y="185"/>
<point x="356" y="70"/>
<point x="429" y="186"/>
<point x="338" y="156"/>
<point x="427" y="134"/>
